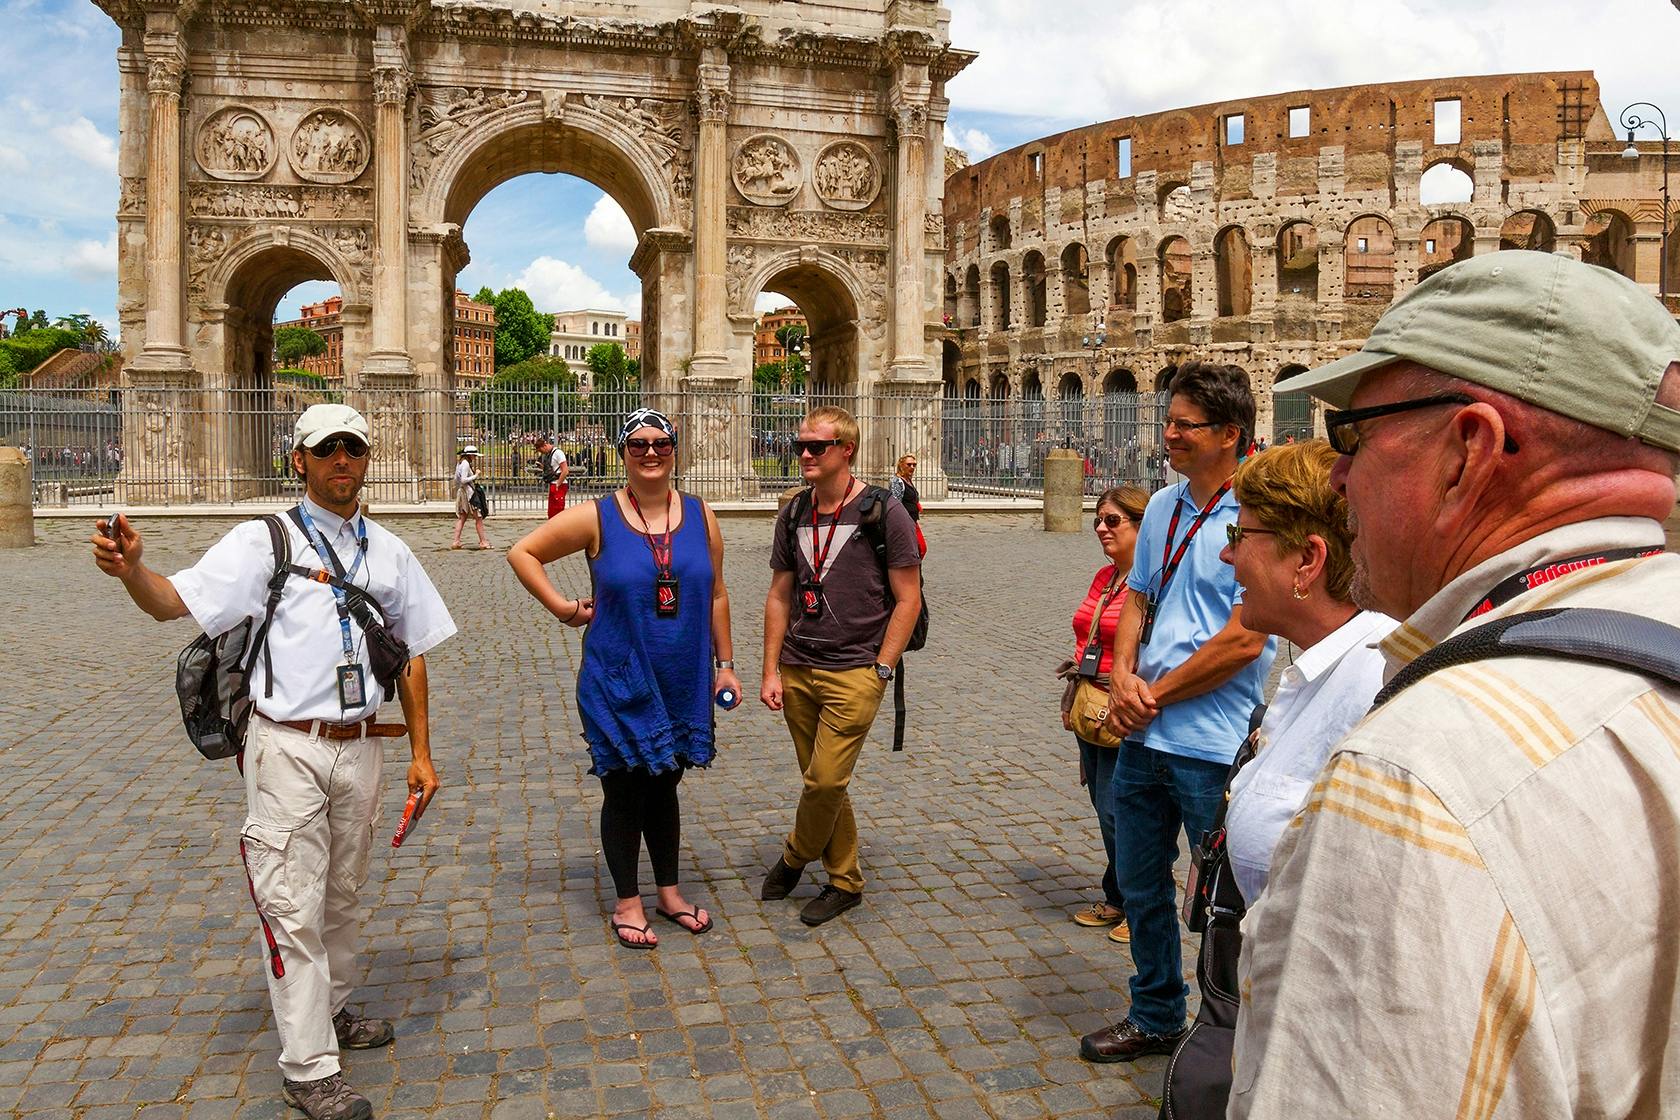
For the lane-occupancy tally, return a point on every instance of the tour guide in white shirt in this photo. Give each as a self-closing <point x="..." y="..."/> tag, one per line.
<point x="311" y="764"/>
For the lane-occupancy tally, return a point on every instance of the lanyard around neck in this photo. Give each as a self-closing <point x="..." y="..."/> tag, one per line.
<point x="820" y="558"/>
<point x="662" y="549"/>
<point x="330" y="559"/>
<point x="1169" y="567"/>
<point x="1512" y="586"/>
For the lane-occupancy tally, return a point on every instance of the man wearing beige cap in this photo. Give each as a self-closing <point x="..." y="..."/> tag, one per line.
<point x="312" y="751"/>
<point x="1475" y="913"/>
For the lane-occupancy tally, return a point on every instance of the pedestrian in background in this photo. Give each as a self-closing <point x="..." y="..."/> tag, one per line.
<point x="466" y="477"/>
<point x="552" y="462"/>
<point x="656" y="651"/>
<point x="904" y="489"/>
<point x="1119" y="512"/>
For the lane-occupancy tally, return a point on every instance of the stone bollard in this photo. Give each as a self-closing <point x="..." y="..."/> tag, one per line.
<point x="17" y="519"/>
<point x="1064" y="491"/>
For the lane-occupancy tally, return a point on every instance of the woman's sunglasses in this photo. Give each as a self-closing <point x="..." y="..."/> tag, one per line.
<point x="327" y="448"/>
<point x="1112" y="520"/>
<point x="661" y="447"/>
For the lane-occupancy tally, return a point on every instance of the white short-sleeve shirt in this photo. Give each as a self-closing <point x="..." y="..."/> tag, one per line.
<point x="230" y="583"/>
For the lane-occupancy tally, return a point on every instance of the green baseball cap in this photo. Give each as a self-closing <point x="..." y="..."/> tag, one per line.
<point x="1572" y="338"/>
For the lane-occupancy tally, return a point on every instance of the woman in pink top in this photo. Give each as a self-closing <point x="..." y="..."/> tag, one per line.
<point x="1119" y="510"/>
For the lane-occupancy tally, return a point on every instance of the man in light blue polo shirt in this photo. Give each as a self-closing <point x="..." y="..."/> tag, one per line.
<point x="1186" y="678"/>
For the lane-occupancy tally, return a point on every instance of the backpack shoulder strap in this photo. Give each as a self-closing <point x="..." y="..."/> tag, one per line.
<point x="1604" y="637"/>
<point x="872" y="519"/>
<point x="798" y="509"/>
<point x="280" y="542"/>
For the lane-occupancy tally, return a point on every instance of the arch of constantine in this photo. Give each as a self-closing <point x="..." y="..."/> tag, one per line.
<point x="1270" y="233"/>
<point x="760" y="145"/>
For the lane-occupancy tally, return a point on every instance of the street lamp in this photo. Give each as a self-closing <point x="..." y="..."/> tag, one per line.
<point x="1632" y="122"/>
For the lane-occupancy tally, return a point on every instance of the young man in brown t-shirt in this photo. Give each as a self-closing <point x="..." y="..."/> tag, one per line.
<point x="835" y="624"/>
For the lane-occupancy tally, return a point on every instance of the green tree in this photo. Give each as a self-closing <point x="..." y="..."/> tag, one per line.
<point x="521" y="331"/>
<point x="293" y="344"/>
<point x="23" y="352"/>
<point x="536" y="395"/>
<point x="78" y="322"/>
<point x="98" y="335"/>
<point x="612" y="371"/>
<point x="39" y="321"/>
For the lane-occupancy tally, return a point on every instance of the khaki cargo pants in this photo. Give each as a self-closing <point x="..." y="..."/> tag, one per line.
<point x="828" y="713"/>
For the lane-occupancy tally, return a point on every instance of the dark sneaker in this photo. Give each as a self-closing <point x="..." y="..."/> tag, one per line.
<point x="1125" y="1041"/>
<point x="327" y="1099"/>
<point x="828" y="905"/>
<point x="779" y="880"/>
<point x="356" y="1033"/>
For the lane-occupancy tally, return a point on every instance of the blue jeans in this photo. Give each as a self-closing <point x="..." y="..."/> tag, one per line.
<point x="1154" y="794"/>
<point x="1098" y="764"/>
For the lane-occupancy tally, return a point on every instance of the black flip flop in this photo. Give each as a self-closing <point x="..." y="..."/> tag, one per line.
<point x="672" y="917"/>
<point x="618" y="929"/>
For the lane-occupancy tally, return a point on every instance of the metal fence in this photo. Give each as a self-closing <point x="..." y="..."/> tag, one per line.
<point x="167" y="447"/>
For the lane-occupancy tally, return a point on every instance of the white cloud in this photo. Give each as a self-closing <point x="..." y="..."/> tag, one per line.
<point x="82" y="139"/>
<point x="556" y="285"/>
<point x="769" y="301"/>
<point x="975" y="143"/>
<point x="1444" y="183"/>
<point x="608" y="228"/>
<point x="93" y="260"/>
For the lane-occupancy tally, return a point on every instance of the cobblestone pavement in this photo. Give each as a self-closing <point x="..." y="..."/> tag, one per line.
<point x="130" y="984"/>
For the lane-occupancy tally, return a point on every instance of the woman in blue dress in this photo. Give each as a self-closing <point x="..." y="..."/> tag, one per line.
<point x="656" y="651"/>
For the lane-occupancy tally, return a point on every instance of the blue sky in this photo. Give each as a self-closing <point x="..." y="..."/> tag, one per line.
<point x="559" y="237"/>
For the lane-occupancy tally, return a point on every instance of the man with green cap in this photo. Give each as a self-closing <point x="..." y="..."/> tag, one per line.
<point x="1474" y="913"/>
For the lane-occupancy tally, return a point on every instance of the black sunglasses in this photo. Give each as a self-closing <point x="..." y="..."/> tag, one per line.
<point x="1340" y="425"/>
<point x="817" y="447"/>
<point x="1235" y="533"/>
<point x="327" y="448"/>
<point x="661" y="447"/>
<point x="1112" y="520"/>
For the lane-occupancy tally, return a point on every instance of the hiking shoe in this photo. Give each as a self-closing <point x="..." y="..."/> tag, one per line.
<point x="779" y="880"/>
<point x="357" y="1033"/>
<point x="828" y="905"/>
<point x="1125" y="1041"/>
<point x="327" y="1099"/>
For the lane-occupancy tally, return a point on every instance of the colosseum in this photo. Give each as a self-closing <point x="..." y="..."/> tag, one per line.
<point x="1082" y="268"/>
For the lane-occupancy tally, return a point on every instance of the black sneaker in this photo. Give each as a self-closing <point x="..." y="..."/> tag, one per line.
<point x="828" y="905"/>
<point x="779" y="880"/>
<point x="327" y="1099"/>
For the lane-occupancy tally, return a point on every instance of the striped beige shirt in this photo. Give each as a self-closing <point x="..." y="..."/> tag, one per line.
<point x="1477" y="912"/>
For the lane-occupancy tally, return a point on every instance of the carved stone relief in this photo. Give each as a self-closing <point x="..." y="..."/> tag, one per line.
<point x="767" y="171"/>
<point x="205" y="246"/>
<point x="818" y="226"/>
<point x="131" y="201"/>
<point x="209" y="200"/>
<point x="354" y="248"/>
<point x="236" y="144"/>
<point x="658" y="124"/>
<point x="742" y="260"/>
<point x="846" y="176"/>
<point x="445" y="116"/>
<point x="328" y="146"/>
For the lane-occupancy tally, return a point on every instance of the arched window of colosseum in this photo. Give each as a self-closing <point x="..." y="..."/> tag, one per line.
<point x="1445" y="183"/>
<point x="1444" y="241"/>
<point x="971" y="390"/>
<point x="951" y="365"/>
<point x="1076" y="281"/>
<point x="1177" y="207"/>
<point x="1032" y="399"/>
<point x="1070" y="407"/>
<point x="1120" y="380"/>
<point x="1032" y="275"/>
<point x="1000" y="232"/>
<point x="1000" y="296"/>
<point x="1609" y="241"/>
<point x="1233" y="271"/>
<point x="1369" y="256"/>
<point x="1175" y="279"/>
<point x="1297" y="261"/>
<point x="1000" y="387"/>
<point x="1528" y="229"/>
<point x="1292" y="413"/>
<point x="1163" y="380"/>
<point x="971" y="294"/>
<point x="1122" y="274"/>
<point x="950" y="300"/>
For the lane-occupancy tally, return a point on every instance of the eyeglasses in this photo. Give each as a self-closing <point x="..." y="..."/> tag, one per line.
<point x="1340" y="425"/>
<point x="1235" y="533"/>
<point x="327" y="448"/>
<point x="1112" y="520"/>
<point x="661" y="447"/>
<point x="1171" y="423"/>
<point x="816" y="447"/>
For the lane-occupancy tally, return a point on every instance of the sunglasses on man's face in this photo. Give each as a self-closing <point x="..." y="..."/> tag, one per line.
<point x="661" y="447"/>
<point x="327" y="448"/>
<point x="815" y="447"/>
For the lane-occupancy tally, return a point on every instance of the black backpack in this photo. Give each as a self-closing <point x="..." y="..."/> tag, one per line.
<point x="213" y="675"/>
<point x="872" y="519"/>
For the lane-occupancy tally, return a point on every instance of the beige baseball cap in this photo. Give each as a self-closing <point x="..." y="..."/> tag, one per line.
<point x="322" y="420"/>
<point x="1572" y="338"/>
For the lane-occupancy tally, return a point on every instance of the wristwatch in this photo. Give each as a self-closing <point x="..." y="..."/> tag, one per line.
<point x="723" y="664"/>
<point x="885" y="672"/>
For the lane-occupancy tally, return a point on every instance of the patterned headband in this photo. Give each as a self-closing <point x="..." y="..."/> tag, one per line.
<point x="646" y="418"/>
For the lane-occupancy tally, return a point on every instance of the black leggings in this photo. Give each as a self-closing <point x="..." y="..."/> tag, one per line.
<point x="637" y="804"/>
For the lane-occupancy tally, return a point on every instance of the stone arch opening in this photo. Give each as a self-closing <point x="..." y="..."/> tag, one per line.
<point x="1174" y="256"/>
<point x="1034" y="288"/>
<point x="1121" y="256"/>
<point x="1234" y="272"/>
<point x="1369" y="258"/>
<point x="1446" y="182"/>
<point x="1174" y="203"/>
<point x="1297" y="261"/>
<point x="1123" y="442"/>
<point x="950" y="300"/>
<point x="1000" y="296"/>
<point x="829" y="303"/>
<point x="1163" y="379"/>
<point x="1070" y="408"/>
<point x="1032" y="396"/>
<point x="1528" y="229"/>
<point x="1292" y="412"/>
<point x="1076" y="281"/>
<point x="999" y="229"/>
<point x="1120" y="380"/>
<point x="970" y="316"/>
<point x="950" y="361"/>
<point x="1443" y="242"/>
<point x="1608" y="241"/>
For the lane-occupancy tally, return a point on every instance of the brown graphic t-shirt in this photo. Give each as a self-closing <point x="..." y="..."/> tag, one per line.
<point x="856" y="602"/>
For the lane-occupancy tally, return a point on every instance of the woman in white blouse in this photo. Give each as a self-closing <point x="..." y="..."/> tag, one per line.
<point x="1291" y="550"/>
<point x="466" y="473"/>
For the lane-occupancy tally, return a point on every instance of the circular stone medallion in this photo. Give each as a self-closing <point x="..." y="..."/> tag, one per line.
<point x="236" y="144"/>
<point x="328" y="146"/>
<point x="767" y="171"/>
<point x="846" y="176"/>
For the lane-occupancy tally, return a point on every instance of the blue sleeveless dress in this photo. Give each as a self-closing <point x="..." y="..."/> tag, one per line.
<point x="645" y="690"/>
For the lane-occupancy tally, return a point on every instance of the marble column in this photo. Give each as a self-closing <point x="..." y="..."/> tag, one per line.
<point x="390" y="259"/>
<point x="163" y="349"/>
<point x="909" y="320"/>
<point x="711" y="230"/>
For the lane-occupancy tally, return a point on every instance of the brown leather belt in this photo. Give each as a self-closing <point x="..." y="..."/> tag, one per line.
<point x="338" y="732"/>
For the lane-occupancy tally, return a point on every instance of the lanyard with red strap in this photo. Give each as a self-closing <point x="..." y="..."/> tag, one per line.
<point x="1170" y="560"/>
<point x="1512" y="586"/>
<point x="819" y="557"/>
<point x="664" y="581"/>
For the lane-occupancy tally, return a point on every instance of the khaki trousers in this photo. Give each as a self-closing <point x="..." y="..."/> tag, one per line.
<point x="828" y="712"/>
<point x="308" y="833"/>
